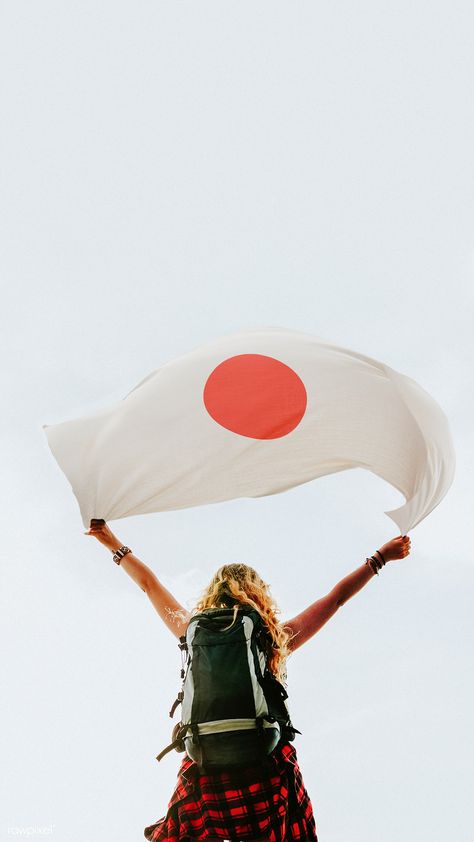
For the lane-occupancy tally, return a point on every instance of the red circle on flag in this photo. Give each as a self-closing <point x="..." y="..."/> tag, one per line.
<point x="255" y="396"/>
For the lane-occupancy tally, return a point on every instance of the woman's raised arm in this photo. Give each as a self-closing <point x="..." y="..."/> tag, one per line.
<point x="305" y="625"/>
<point x="170" y="610"/>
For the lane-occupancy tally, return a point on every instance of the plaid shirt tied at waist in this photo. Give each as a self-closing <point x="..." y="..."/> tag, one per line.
<point x="269" y="802"/>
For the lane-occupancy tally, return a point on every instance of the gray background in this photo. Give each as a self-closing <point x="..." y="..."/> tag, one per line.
<point x="173" y="172"/>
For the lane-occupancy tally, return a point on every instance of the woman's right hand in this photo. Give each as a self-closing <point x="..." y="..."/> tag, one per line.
<point x="398" y="547"/>
<point x="101" y="531"/>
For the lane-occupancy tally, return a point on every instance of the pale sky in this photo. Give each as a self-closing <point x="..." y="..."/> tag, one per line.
<point x="172" y="172"/>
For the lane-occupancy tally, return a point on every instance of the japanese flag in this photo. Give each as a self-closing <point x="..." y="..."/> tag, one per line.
<point x="255" y="413"/>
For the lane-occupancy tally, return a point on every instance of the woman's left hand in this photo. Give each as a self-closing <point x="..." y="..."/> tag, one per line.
<point x="396" y="548"/>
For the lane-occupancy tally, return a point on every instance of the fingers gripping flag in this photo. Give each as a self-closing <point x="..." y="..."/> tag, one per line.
<point x="255" y="413"/>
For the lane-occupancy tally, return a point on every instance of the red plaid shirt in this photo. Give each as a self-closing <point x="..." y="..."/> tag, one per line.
<point x="268" y="803"/>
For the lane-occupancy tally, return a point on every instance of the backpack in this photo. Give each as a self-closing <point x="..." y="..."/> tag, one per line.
<point x="234" y="710"/>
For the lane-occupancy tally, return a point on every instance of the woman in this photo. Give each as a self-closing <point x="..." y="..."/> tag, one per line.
<point x="267" y="802"/>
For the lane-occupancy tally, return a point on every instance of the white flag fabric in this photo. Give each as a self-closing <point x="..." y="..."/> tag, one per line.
<point x="251" y="414"/>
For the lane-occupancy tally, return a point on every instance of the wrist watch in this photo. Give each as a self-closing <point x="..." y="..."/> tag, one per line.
<point x="119" y="554"/>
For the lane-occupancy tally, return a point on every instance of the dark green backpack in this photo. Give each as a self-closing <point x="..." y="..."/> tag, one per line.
<point x="234" y="710"/>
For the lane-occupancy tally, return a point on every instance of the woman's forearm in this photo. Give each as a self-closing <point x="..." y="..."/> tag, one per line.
<point x="136" y="569"/>
<point x="304" y="625"/>
<point x="352" y="583"/>
<point x="169" y="609"/>
<point x="398" y="547"/>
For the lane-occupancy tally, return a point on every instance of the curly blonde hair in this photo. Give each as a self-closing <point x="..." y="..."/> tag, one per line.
<point x="239" y="584"/>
